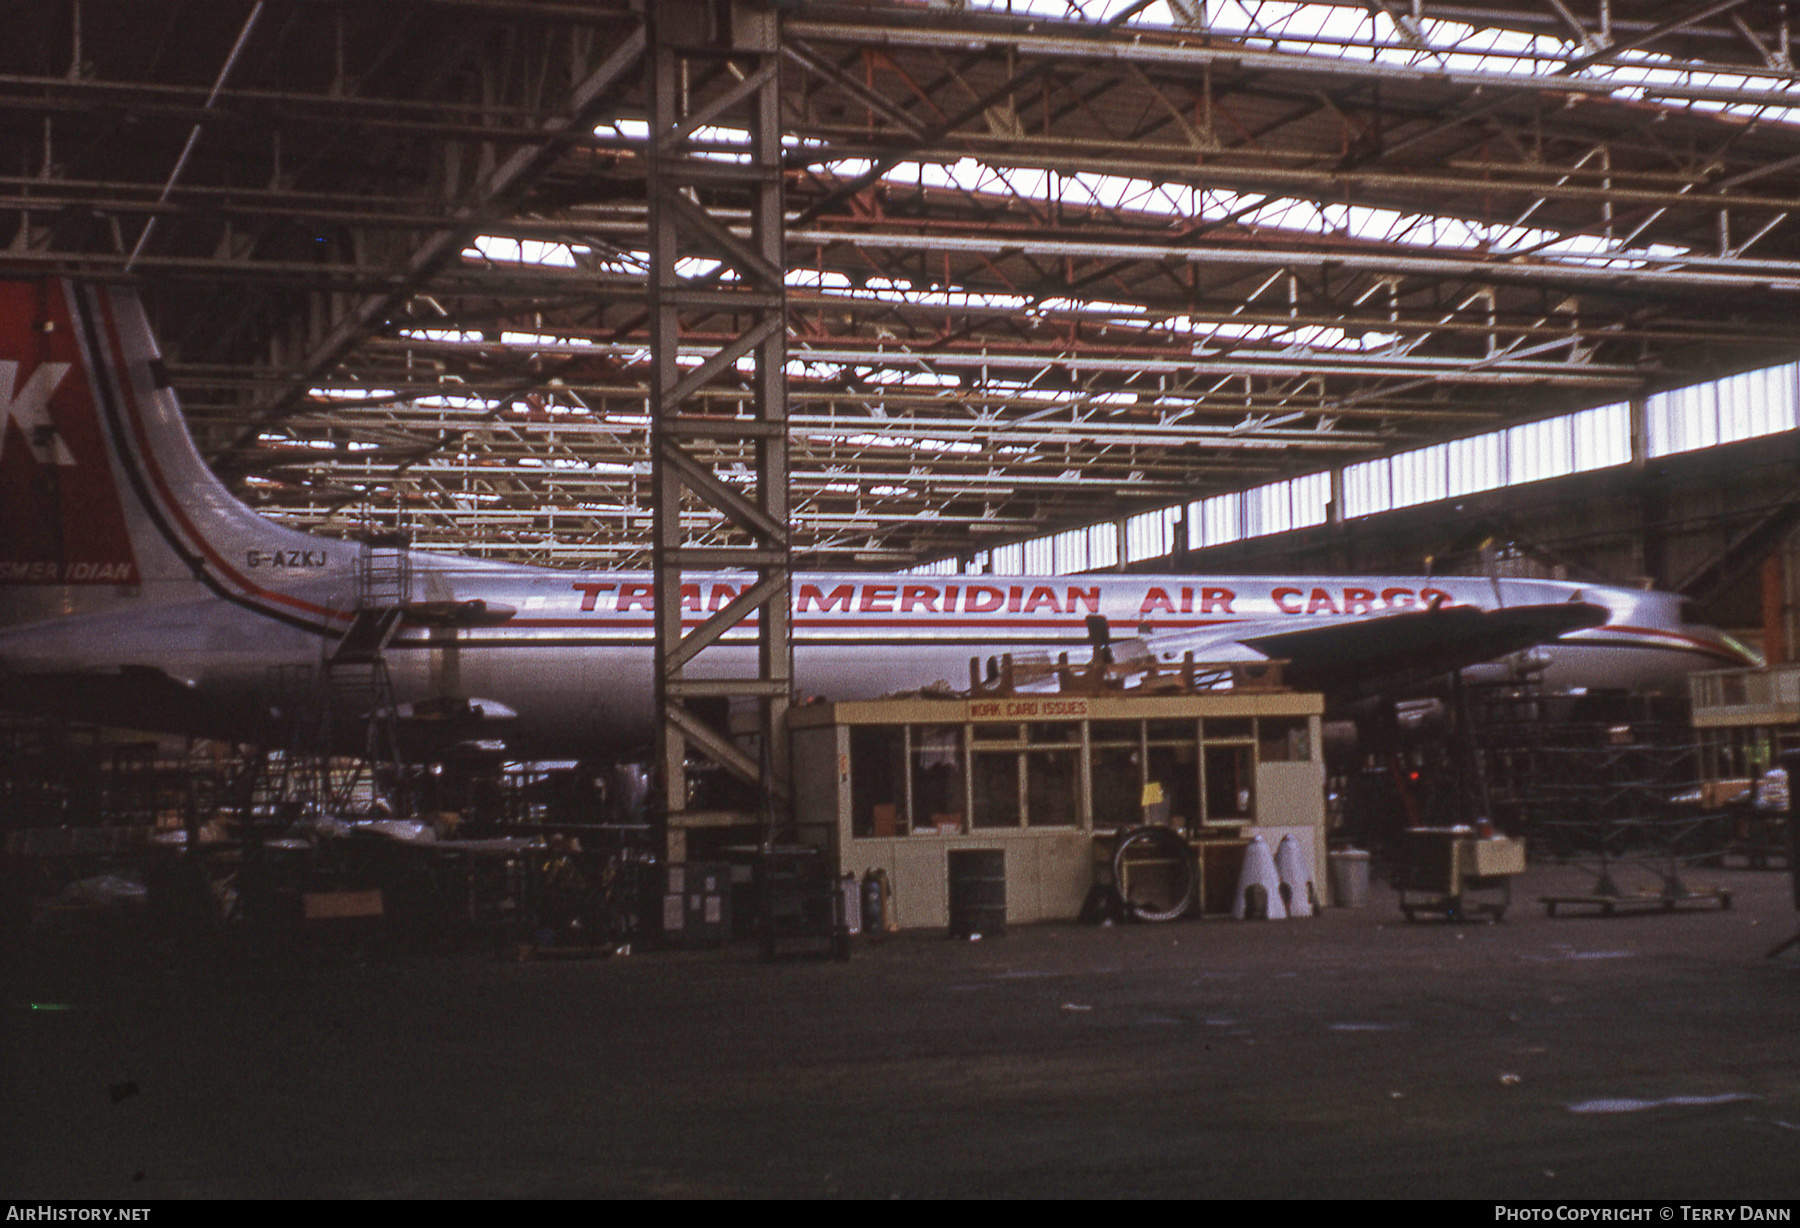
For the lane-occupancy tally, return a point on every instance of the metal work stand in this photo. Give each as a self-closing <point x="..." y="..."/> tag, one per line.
<point x="801" y="903"/>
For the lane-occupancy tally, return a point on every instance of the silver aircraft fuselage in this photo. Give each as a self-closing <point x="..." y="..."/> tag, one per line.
<point x="138" y="563"/>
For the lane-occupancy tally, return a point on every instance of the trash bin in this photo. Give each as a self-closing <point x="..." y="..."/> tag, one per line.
<point x="1349" y="877"/>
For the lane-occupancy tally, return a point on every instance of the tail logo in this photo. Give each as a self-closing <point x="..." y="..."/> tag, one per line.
<point x="62" y="518"/>
<point x="29" y="407"/>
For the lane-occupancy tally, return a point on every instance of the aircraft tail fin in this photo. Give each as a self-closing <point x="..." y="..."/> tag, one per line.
<point x="103" y="496"/>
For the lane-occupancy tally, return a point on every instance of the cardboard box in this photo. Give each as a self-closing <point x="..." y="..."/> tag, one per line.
<point x="328" y="905"/>
<point x="1717" y="794"/>
<point x="1500" y="855"/>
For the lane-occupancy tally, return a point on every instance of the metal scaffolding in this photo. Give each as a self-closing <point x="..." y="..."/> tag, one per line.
<point x="715" y="68"/>
<point x="1044" y="264"/>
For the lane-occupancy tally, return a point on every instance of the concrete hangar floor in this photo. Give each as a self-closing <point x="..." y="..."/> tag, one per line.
<point x="1352" y="1055"/>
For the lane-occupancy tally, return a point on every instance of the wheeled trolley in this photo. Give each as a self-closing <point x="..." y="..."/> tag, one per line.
<point x="1453" y="873"/>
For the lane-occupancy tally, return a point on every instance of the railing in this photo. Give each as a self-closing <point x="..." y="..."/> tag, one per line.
<point x="1746" y="696"/>
<point x="384" y="572"/>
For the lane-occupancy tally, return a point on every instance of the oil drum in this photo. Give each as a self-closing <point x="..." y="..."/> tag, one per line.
<point x="977" y="893"/>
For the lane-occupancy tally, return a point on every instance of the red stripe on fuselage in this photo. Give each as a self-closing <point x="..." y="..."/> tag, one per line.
<point x="851" y="623"/>
<point x="1711" y="646"/>
<point x="146" y="455"/>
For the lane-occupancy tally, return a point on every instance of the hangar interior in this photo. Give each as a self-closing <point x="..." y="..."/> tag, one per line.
<point x="1025" y="287"/>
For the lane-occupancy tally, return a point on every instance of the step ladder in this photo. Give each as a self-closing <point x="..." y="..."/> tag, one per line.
<point x="384" y="571"/>
<point x="291" y="769"/>
<point x="359" y="705"/>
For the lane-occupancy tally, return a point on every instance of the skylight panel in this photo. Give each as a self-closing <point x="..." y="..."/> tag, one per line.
<point x="1756" y="403"/>
<point x="1182" y="201"/>
<point x="817" y="279"/>
<point x="449" y="401"/>
<point x="546" y="341"/>
<point x="797" y="368"/>
<point x="521" y="251"/>
<point x="888" y="376"/>
<point x="1474" y="464"/>
<point x="1368" y="488"/>
<point x="1344" y="30"/>
<point x="1539" y="450"/>
<point x="1420" y="476"/>
<point x="344" y="393"/>
<point x="455" y="336"/>
<point x="701" y="266"/>
<point x="1602" y="436"/>
<point x="1738" y="407"/>
<point x="1309" y="499"/>
<point x="1102" y="547"/>
<point x="1266" y="510"/>
<point x="1151" y="534"/>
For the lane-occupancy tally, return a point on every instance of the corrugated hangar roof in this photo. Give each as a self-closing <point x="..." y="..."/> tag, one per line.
<point x="1047" y="265"/>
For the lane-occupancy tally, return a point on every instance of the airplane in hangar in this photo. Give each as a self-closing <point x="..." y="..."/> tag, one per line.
<point x="136" y="590"/>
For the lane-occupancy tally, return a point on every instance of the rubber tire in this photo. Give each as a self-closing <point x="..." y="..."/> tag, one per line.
<point x="1171" y="841"/>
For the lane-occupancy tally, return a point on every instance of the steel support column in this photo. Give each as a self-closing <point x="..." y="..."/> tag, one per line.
<point x="715" y="144"/>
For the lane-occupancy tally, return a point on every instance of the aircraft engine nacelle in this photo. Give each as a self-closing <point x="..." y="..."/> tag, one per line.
<point x="1378" y="728"/>
<point x="1512" y="670"/>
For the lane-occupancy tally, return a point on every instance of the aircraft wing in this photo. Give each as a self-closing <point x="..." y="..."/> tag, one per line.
<point x="1351" y="659"/>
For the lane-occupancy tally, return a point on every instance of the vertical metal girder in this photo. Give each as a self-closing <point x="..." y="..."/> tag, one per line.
<point x="715" y="77"/>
